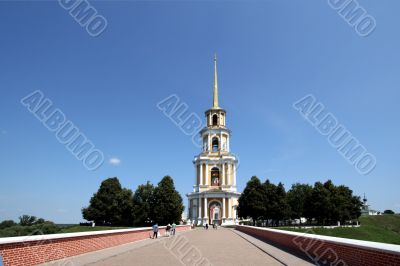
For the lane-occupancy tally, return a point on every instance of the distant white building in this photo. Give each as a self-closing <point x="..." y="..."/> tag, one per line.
<point x="365" y="210"/>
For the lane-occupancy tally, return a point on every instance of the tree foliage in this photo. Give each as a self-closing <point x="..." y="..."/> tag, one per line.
<point x="323" y="203"/>
<point x="388" y="212"/>
<point x="167" y="202"/>
<point x="7" y="223"/>
<point x="252" y="200"/>
<point x="110" y="205"/>
<point x="26" y="220"/>
<point x="296" y="197"/>
<point x="116" y="206"/>
<point x="28" y="225"/>
<point x="143" y="202"/>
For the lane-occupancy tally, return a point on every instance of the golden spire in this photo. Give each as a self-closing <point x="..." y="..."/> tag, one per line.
<point x="215" y="99"/>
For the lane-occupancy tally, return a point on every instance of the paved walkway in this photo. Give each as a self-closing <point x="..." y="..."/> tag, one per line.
<point x="196" y="247"/>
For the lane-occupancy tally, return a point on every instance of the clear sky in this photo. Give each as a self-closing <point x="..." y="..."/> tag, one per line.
<point x="271" y="53"/>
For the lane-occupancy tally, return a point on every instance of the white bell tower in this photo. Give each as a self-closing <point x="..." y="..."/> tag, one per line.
<point x="214" y="198"/>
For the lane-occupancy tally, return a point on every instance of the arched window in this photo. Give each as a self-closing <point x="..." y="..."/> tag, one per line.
<point x="214" y="176"/>
<point x="215" y="120"/>
<point x="215" y="144"/>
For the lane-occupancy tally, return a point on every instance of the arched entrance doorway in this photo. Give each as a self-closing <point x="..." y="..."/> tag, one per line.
<point x="215" y="212"/>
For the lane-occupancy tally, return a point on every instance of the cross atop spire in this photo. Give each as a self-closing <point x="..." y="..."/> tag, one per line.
<point x="215" y="98"/>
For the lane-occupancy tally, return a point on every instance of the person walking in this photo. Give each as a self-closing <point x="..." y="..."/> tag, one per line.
<point x="168" y="230"/>
<point x="155" y="230"/>
<point x="173" y="228"/>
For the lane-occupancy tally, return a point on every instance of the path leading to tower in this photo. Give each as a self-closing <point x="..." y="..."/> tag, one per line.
<point x="206" y="247"/>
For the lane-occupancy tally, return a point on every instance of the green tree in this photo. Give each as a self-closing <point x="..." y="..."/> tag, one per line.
<point x="270" y="202"/>
<point x="347" y="207"/>
<point x="331" y="210"/>
<point x="168" y="206"/>
<point x="26" y="220"/>
<point x="110" y="205"/>
<point x="356" y="207"/>
<point x="329" y="204"/>
<point x="124" y="215"/>
<point x="7" y="223"/>
<point x="252" y="200"/>
<point x="388" y="212"/>
<point x="296" y="198"/>
<point x="276" y="206"/>
<point x="318" y="205"/>
<point x="282" y="206"/>
<point x="41" y="221"/>
<point x="143" y="203"/>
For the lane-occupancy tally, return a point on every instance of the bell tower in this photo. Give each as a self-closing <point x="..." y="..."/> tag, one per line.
<point x="214" y="197"/>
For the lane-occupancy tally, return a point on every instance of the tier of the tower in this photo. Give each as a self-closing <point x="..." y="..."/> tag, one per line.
<point x="215" y="173"/>
<point x="215" y="141"/>
<point x="215" y="118"/>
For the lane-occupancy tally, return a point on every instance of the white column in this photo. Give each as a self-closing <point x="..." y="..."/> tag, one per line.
<point x="205" y="208"/>
<point x="230" y="208"/>
<point x="195" y="176"/>
<point x="209" y="143"/>
<point x="229" y="174"/>
<point x="201" y="174"/>
<point x="220" y="141"/>
<point x="199" y="203"/>
<point x="234" y="174"/>
<point x="206" y="183"/>
<point x="223" y="208"/>
<point x="227" y="143"/>
<point x="223" y="173"/>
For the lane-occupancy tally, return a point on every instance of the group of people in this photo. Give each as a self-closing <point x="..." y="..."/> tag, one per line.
<point x="169" y="230"/>
<point x="214" y="225"/>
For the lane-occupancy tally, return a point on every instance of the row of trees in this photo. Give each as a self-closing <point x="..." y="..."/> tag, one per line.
<point x="117" y="206"/>
<point x="323" y="203"/>
<point x="28" y="225"/>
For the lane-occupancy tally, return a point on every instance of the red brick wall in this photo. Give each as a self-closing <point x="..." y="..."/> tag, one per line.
<point x="326" y="252"/>
<point x="36" y="252"/>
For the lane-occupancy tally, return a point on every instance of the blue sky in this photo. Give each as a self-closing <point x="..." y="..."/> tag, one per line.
<point x="271" y="53"/>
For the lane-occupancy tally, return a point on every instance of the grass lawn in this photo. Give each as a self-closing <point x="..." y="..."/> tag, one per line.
<point x="78" y="228"/>
<point x="382" y="228"/>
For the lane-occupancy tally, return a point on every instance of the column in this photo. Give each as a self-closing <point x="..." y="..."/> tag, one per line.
<point x="234" y="174"/>
<point x="227" y="143"/>
<point x="229" y="174"/>
<point x="201" y="174"/>
<point x="220" y="142"/>
<point x="230" y="208"/>
<point x="205" y="208"/>
<point x="209" y="143"/>
<point x="223" y="208"/>
<point x="199" y="203"/>
<point x="196" y="171"/>
<point x="223" y="173"/>
<point x="206" y="183"/>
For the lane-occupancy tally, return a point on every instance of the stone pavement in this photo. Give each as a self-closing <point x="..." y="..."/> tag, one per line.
<point x="196" y="247"/>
